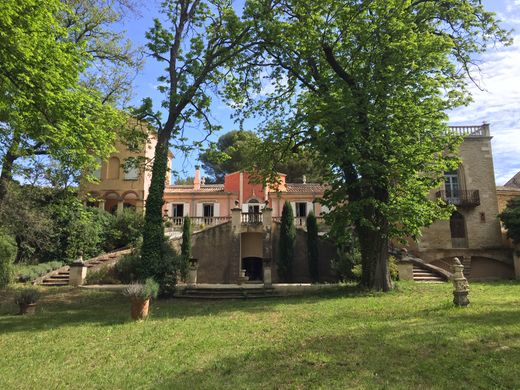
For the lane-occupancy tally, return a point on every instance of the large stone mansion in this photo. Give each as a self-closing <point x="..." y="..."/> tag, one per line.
<point x="238" y="219"/>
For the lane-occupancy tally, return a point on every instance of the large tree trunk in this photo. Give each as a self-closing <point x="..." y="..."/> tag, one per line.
<point x="374" y="257"/>
<point x="6" y="176"/>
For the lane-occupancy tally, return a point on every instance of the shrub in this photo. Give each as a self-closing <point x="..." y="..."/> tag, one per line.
<point x="7" y="256"/>
<point x="103" y="275"/>
<point x="26" y="296"/>
<point x="510" y="217"/>
<point x="27" y="273"/>
<point x="312" y="247"/>
<point x="125" y="229"/>
<point x="286" y="245"/>
<point x="168" y="269"/>
<point x="148" y="290"/>
<point x="128" y="267"/>
<point x="347" y="263"/>
<point x="392" y="267"/>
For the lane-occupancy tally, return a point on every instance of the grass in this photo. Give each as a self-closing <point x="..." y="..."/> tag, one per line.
<point x="410" y="338"/>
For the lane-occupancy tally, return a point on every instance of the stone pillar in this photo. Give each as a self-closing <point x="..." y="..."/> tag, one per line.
<point x="119" y="207"/>
<point x="102" y="204"/>
<point x="77" y="272"/>
<point x="405" y="269"/>
<point x="267" y="272"/>
<point x="192" y="273"/>
<point x="236" y="219"/>
<point x="268" y="217"/>
<point x="460" y="284"/>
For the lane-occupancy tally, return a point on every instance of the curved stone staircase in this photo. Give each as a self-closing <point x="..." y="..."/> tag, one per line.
<point x="421" y="274"/>
<point x="60" y="277"/>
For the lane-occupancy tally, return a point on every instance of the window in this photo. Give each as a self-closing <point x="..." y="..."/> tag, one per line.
<point x="113" y="168"/>
<point x="451" y="185"/>
<point x="208" y="212"/>
<point x="131" y="173"/>
<point x="178" y="210"/>
<point x="301" y="209"/>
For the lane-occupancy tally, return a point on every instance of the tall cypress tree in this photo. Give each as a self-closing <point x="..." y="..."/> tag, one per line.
<point x="185" y="246"/>
<point x="312" y="247"/>
<point x="286" y="245"/>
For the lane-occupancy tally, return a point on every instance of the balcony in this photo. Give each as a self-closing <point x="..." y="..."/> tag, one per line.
<point x="468" y="198"/>
<point x="471" y="131"/>
<point x="252" y="218"/>
<point x="175" y="223"/>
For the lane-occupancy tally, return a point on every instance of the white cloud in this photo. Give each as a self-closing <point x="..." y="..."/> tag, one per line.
<point x="499" y="105"/>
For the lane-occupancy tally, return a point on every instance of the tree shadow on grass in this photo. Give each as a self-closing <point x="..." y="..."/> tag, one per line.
<point x="386" y="356"/>
<point x="62" y="307"/>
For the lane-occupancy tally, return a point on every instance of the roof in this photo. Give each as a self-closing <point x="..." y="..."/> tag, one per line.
<point x="304" y="188"/>
<point x="514" y="181"/>
<point x="510" y="189"/>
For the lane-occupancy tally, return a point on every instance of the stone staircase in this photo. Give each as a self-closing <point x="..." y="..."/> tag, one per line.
<point x="231" y="292"/>
<point x="424" y="275"/>
<point x="60" y="277"/>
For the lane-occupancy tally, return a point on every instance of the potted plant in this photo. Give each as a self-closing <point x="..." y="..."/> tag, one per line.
<point x="140" y="295"/>
<point x="26" y="299"/>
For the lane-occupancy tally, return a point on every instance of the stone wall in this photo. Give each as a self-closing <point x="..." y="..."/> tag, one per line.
<point x="482" y="225"/>
<point x="215" y="249"/>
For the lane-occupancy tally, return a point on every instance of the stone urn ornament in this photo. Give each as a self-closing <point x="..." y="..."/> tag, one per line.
<point x="460" y="284"/>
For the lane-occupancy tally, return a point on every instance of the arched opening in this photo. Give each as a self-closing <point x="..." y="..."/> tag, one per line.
<point x="113" y="168"/>
<point x="130" y="200"/>
<point x="458" y="231"/>
<point x="111" y="201"/>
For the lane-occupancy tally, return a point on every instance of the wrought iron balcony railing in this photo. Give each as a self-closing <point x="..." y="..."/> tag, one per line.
<point x="467" y="198"/>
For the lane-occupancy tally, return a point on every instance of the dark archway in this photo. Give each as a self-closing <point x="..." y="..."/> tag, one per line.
<point x="254" y="268"/>
<point x="458" y="230"/>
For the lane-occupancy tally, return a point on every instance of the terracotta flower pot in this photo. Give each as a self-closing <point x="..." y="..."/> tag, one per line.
<point x="28" y="308"/>
<point x="139" y="308"/>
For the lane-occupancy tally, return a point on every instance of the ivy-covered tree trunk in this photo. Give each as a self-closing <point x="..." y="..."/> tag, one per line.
<point x="286" y="245"/>
<point x="6" y="175"/>
<point x="312" y="247"/>
<point x="153" y="233"/>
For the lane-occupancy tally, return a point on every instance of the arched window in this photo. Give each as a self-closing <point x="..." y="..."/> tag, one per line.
<point x="458" y="230"/>
<point x="113" y="168"/>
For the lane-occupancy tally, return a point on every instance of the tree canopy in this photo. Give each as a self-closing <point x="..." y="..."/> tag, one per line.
<point x="510" y="217"/>
<point x="365" y="85"/>
<point x="52" y="100"/>
<point x="238" y="150"/>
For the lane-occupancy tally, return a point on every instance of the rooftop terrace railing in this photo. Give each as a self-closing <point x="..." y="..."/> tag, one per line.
<point x="471" y="131"/>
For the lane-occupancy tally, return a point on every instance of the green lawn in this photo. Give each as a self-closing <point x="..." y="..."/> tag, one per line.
<point x="410" y="338"/>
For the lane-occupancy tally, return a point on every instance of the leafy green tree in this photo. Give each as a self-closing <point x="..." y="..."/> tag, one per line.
<point x="186" y="246"/>
<point x="365" y="86"/>
<point x="52" y="102"/>
<point x="7" y="256"/>
<point x="286" y="244"/>
<point x="202" y="41"/>
<point x="312" y="247"/>
<point x="510" y="217"/>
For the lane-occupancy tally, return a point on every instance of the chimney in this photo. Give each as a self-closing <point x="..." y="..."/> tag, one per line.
<point x="196" y="179"/>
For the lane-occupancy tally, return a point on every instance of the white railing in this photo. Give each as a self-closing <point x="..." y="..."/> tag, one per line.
<point x="252" y="218"/>
<point x="471" y="131"/>
<point x="176" y="223"/>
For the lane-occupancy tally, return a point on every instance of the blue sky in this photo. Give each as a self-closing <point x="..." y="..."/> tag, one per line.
<point x="498" y="104"/>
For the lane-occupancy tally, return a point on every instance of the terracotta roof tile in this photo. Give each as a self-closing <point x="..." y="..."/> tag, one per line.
<point x="305" y="188"/>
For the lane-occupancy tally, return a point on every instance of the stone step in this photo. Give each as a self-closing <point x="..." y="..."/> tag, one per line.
<point x="58" y="277"/>
<point x="226" y="293"/>
<point x="48" y="282"/>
